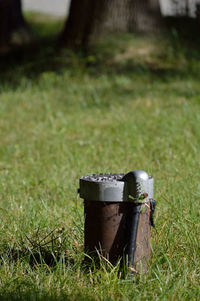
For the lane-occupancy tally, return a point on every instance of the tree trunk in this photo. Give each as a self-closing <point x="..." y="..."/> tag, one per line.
<point x="11" y="19"/>
<point x="88" y="19"/>
<point x="81" y="21"/>
<point x="146" y="16"/>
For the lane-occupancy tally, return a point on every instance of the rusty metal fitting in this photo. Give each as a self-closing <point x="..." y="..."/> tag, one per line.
<point x="117" y="211"/>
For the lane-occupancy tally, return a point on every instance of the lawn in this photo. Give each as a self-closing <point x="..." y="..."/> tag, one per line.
<point x="131" y="103"/>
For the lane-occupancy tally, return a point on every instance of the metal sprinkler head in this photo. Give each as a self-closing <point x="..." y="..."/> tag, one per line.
<point x="138" y="175"/>
<point x="137" y="184"/>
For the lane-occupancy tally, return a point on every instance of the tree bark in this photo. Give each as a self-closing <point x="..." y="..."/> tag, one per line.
<point x="83" y="16"/>
<point x="146" y="16"/>
<point x="11" y="19"/>
<point x="89" y="19"/>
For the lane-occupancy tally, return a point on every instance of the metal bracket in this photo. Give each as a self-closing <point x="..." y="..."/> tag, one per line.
<point x="152" y="207"/>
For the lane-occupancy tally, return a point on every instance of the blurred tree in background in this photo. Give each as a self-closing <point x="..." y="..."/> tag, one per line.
<point x="11" y="21"/>
<point x="90" y="19"/>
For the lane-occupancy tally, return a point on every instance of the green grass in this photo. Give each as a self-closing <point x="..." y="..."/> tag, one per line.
<point x="131" y="103"/>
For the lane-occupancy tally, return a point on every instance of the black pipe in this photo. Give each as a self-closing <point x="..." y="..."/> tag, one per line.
<point x="133" y="224"/>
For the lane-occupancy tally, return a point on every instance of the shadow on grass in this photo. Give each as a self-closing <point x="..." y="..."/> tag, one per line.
<point x="179" y="59"/>
<point x="27" y="292"/>
<point x="29" y="61"/>
<point x="48" y="249"/>
<point x="30" y="293"/>
<point x="47" y="254"/>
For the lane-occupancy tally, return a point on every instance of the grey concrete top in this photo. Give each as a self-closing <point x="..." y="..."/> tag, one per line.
<point x="116" y="187"/>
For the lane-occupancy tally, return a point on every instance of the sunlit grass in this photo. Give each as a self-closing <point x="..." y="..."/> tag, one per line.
<point x="63" y="116"/>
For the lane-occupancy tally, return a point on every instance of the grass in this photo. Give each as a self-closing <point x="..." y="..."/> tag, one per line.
<point x="131" y="103"/>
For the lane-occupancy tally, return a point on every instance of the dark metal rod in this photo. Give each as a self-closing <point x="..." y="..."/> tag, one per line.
<point x="134" y="222"/>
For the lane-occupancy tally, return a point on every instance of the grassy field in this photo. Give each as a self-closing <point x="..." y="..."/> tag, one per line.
<point x="131" y="103"/>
